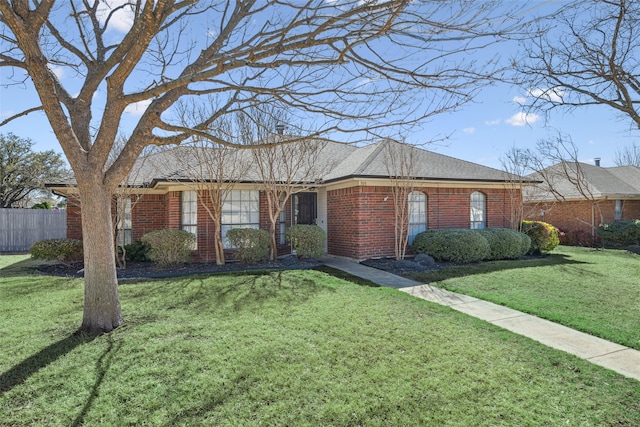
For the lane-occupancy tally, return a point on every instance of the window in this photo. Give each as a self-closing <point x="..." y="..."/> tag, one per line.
<point x="241" y="209"/>
<point x="617" y="210"/>
<point x="283" y="220"/>
<point x="123" y="213"/>
<point x="417" y="202"/>
<point x="478" y="210"/>
<point x="189" y="214"/>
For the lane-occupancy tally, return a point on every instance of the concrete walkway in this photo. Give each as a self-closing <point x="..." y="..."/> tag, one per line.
<point x="612" y="356"/>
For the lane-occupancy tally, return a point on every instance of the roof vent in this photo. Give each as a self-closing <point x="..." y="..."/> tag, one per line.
<point x="280" y="129"/>
<point x="597" y="160"/>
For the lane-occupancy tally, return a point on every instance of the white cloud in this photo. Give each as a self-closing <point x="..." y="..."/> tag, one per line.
<point x="122" y="18"/>
<point x="520" y="100"/>
<point x="138" y="108"/>
<point x="492" y="122"/>
<point x="469" y="131"/>
<point x="521" y="119"/>
<point x="553" y="94"/>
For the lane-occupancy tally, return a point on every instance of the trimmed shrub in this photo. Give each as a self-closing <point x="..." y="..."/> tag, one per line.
<point x="137" y="252"/>
<point x="306" y="240"/>
<point x="525" y="242"/>
<point x="250" y="244"/>
<point x="620" y="232"/>
<point x="459" y="246"/>
<point x="544" y="236"/>
<point x="65" y="251"/>
<point x="503" y="243"/>
<point x="169" y="248"/>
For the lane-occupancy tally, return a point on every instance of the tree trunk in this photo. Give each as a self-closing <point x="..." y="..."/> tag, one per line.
<point x="218" y="244"/>
<point x="101" y="302"/>
<point x="273" y="243"/>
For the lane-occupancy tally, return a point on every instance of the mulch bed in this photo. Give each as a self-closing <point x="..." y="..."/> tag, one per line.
<point x="401" y="267"/>
<point x="149" y="270"/>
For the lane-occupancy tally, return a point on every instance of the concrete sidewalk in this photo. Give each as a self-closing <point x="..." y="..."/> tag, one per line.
<point x="612" y="356"/>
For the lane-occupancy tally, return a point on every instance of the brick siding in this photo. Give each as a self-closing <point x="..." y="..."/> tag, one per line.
<point x="578" y="215"/>
<point x="359" y="219"/>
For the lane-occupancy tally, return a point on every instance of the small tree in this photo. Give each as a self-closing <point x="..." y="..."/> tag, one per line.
<point x="211" y="169"/>
<point x="23" y="171"/>
<point x="400" y="162"/>
<point x="566" y="174"/>
<point x="516" y="164"/>
<point x="286" y="163"/>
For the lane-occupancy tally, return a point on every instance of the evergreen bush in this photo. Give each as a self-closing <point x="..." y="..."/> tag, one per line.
<point x="168" y="248"/>
<point x="460" y="246"/>
<point x="306" y="240"/>
<point x="65" y="251"/>
<point x="544" y="236"/>
<point x="620" y="232"/>
<point x="503" y="243"/>
<point x="250" y="244"/>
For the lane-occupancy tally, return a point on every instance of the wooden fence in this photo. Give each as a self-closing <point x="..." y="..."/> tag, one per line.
<point x="20" y="228"/>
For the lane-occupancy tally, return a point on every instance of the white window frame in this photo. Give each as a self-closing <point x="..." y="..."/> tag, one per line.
<point x="189" y="214"/>
<point x="417" y="203"/>
<point x="125" y="226"/>
<point x="478" y="211"/>
<point x="241" y="209"/>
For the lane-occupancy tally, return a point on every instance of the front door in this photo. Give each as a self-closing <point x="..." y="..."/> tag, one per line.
<point x="305" y="208"/>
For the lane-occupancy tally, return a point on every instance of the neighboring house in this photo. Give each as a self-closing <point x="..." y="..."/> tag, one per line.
<point x="579" y="196"/>
<point x="351" y="200"/>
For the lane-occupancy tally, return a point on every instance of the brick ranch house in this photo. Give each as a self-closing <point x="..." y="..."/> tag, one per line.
<point x="579" y="196"/>
<point x="352" y="200"/>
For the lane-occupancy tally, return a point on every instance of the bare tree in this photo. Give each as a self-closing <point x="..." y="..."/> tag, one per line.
<point x="345" y="66"/>
<point x="212" y="170"/>
<point x="283" y="168"/>
<point x="589" y="55"/>
<point x="517" y="163"/>
<point x="556" y="164"/>
<point x="628" y="156"/>
<point x="400" y="162"/>
<point x="125" y="197"/>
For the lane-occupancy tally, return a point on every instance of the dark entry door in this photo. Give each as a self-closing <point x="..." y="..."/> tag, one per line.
<point x="306" y="210"/>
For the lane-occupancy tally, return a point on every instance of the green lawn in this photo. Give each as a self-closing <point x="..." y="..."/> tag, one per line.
<point x="593" y="290"/>
<point x="299" y="348"/>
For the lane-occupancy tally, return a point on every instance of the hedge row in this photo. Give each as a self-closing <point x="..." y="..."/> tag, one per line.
<point x="620" y="232"/>
<point x="464" y="245"/>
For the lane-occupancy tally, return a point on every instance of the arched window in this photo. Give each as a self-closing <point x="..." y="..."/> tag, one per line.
<point x="478" y="210"/>
<point x="417" y="202"/>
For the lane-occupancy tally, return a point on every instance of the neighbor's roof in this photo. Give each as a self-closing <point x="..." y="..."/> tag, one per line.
<point x="576" y="180"/>
<point x="333" y="161"/>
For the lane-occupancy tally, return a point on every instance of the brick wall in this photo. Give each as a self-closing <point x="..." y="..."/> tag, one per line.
<point x="579" y="215"/>
<point x="360" y="219"/>
<point x="74" y="219"/>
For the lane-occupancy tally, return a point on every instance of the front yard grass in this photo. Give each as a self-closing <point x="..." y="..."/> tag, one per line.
<point x="296" y="348"/>
<point x="593" y="290"/>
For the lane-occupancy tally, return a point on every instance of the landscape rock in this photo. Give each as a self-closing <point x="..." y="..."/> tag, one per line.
<point x="424" y="259"/>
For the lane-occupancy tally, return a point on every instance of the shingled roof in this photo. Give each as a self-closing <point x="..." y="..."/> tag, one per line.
<point x="577" y="181"/>
<point x="337" y="161"/>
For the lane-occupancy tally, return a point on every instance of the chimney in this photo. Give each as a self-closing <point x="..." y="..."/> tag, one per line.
<point x="280" y="129"/>
<point x="597" y="160"/>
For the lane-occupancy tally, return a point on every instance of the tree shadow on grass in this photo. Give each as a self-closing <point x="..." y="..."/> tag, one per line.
<point x="19" y="373"/>
<point x="26" y="267"/>
<point x="249" y="291"/>
<point x="455" y="271"/>
<point x="102" y="366"/>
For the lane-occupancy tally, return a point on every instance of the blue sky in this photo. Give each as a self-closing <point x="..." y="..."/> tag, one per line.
<point x="480" y="132"/>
